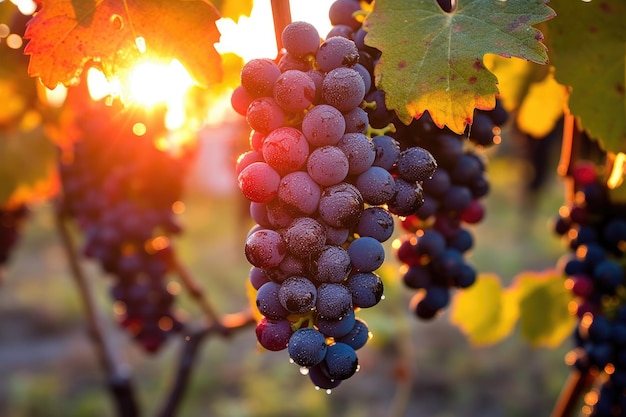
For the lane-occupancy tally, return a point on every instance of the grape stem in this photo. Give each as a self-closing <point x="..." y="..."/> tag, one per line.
<point x="569" y="154"/>
<point x="281" y="14"/>
<point x="195" y="290"/>
<point x="577" y="383"/>
<point x="225" y="327"/>
<point x="119" y="380"/>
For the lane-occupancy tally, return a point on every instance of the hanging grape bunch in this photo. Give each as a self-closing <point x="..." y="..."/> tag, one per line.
<point x="433" y="249"/>
<point x="121" y="189"/>
<point x="323" y="194"/>
<point x="594" y="229"/>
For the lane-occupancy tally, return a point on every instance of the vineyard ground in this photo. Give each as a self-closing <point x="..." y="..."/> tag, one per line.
<point x="410" y="368"/>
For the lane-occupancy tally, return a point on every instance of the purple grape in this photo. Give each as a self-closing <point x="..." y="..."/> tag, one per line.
<point x="360" y="152"/>
<point x="332" y="265"/>
<point x="336" y="52"/>
<point x="416" y="164"/>
<point x="265" y="248"/>
<point x="285" y="149"/>
<point x="264" y="115"/>
<point x="366" y="289"/>
<point x="305" y="237"/>
<point x="366" y="254"/>
<point x="307" y="347"/>
<point x="268" y="303"/>
<point x="387" y="151"/>
<point x="297" y="295"/>
<point x="258" y="77"/>
<point x="294" y="91"/>
<point x="273" y="334"/>
<point x="357" y="337"/>
<point x="323" y="125"/>
<point x="343" y="88"/>
<point x="341" y="12"/>
<point x="376" y="185"/>
<point x="337" y="328"/>
<point x="408" y="199"/>
<point x="300" y="39"/>
<point x="328" y="165"/>
<point x="334" y="301"/>
<point x="341" y="205"/>
<point x="341" y="361"/>
<point x="357" y="120"/>
<point x="299" y="192"/>
<point x="375" y="222"/>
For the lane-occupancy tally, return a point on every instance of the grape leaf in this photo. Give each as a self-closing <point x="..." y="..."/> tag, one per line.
<point x="27" y="164"/>
<point x="234" y="9"/>
<point x="65" y="35"/>
<point x="433" y="60"/>
<point x="542" y="107"/>
<point x="543" y="303"/>
<point x="587" y="47"/>
<point x="484" y="312"/>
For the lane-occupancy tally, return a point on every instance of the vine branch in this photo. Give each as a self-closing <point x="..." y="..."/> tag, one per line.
<point x="570" y="146"/>
<point x="225" y="327"/>
<point x="576" y="384"/>
<point x="281" y="13"/>
<point x="119" y="380"/>
<point x="195" y="290"/>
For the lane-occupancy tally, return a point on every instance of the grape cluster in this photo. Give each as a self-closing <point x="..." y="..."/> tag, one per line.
<point x="121" y="190"/>
<point x="433" y="249"/>
<point x="594" y="229"/>
<point x="11" y="219"/>
<point x="323" y="194"/>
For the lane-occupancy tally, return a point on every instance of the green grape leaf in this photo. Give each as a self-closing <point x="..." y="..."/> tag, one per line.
<point x="433" y="61"/>
<point x="27" y="163"/>
<point x="485" y="312"/>
<point x="234" y="9"/>
<point x="588" y="46"/>
<point x="65" y="35"/>
<point x="545" y="319"/>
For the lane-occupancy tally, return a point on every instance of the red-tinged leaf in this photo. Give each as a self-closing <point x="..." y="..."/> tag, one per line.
<point x="65" y="35"/>
<point x="587" y="46"/>
<point x="27" y="166"/>
<point x="433" y="61"/>
<point x="234" y="9"/>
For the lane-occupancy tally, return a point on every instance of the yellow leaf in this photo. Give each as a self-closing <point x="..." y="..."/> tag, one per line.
<point x="484" y="312"/>
<point x="543" y="304"/>
<point x="542" y="107"/>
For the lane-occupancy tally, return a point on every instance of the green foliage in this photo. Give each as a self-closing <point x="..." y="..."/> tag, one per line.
<point x="587" y="47"/>
<point x="27" y="165"/>
<point x="487" y="313"/>
<point x="484" y="312"/>
<point x="65" y="35"/>
<point x="433" y="60"/>
<point x="543" y="301"/>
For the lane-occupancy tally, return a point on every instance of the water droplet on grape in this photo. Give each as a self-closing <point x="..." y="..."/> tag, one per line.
<point x="291" y="360"/>
<point x="304" y="370"/>
<point x="329" y="391"/>
<point x="382" y="297"/>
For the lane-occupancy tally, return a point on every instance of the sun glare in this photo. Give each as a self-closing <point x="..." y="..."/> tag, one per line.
<point x="149" y="84"/>
<point x="253" y="37"/>
<point x="152" y="83"/>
